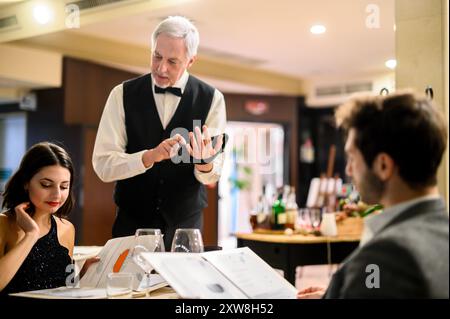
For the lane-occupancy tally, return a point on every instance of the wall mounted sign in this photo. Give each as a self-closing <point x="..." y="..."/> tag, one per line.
<point x="256" y="107"/>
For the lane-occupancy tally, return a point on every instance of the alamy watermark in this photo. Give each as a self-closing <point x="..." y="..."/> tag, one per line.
<point x="72" y="20"/>
<point x="373" y="279"/>
<point x="373" y="17"/>
<point x="72" y="280"/>
<point x="251" y="145"/>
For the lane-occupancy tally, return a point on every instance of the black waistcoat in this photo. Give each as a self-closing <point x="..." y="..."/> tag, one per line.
<point x="167" y="188"/>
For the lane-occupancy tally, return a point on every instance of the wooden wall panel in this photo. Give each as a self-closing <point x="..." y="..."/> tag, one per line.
<point x="86" y="88"/>
<point x="210" y="217"/>
<point x="99" y="208"/>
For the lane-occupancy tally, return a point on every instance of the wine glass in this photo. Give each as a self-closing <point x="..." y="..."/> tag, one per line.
<point x="187" y="240"/>
<point x="146" y="240"/>
<point x="315" y="218"/>
<point x="303" y="221"/>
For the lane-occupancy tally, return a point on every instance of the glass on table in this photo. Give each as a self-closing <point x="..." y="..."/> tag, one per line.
<point x="303" y="221"/>
<point x="119" y="285"/>
<point x="146" y="240"/>
<point x="315" y="215"/>
<point x="187" y="240"/>
<point x="308" y="220"/>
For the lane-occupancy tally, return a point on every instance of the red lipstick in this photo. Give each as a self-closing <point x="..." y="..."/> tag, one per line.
<point x="53" y="204"/>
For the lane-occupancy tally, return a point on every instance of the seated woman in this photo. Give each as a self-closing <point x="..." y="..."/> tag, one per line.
<point x="36" y="239"/>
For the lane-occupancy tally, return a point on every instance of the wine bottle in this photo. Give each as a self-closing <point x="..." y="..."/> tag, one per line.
<point x="279" y="213"/>
<point x="291" y="209"/>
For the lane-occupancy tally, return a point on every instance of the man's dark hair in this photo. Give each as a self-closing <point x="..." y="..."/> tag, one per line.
<point x="407" y="127"/>
<point x="38" y="156"/>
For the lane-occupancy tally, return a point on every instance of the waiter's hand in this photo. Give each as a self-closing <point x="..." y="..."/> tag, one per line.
<point x="165" y="150"/>
<point x="200" y="148"/>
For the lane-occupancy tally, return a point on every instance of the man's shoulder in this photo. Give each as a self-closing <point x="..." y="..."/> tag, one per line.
<point x="428" y="218"/>
<point x="137" y="79"/>
<point x="383" y="258"/>
<point x="201" y="84"/>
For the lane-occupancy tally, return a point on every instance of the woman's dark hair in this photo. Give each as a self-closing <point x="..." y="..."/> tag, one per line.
<point x="408" y="127"/>
<point x="38" y="156"/>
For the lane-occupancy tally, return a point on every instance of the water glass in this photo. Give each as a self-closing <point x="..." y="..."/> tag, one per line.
<point x="119" y="285"/>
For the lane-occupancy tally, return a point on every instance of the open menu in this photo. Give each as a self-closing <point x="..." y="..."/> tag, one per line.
<point x="228" y="274"/>
<point x="116" y="256"/>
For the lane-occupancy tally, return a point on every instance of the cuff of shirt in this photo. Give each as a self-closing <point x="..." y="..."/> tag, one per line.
<point x="207" y="177"/>
<point x="136" y="164"/>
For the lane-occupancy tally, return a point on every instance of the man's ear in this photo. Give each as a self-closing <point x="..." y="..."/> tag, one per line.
<point x="191" y="61"/>
<point x="384" y="166"/>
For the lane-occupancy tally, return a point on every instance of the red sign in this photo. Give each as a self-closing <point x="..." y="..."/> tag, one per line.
<point x="256" y="107"/>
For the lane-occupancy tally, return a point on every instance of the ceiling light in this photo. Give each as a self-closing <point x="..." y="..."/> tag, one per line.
<point x="318" y="29"/>
<point x="391" y="64"/>
<point x="42" y="14"/>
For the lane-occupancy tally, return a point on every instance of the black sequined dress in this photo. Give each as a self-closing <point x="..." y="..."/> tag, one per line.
<point x="44" y="267"/>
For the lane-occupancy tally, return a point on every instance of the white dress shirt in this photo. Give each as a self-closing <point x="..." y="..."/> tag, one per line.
<point x="112" y="163"/>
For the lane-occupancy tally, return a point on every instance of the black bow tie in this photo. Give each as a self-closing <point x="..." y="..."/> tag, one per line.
<point x="170" y="89"/>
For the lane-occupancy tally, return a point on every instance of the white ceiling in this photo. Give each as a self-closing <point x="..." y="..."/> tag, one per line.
<point x="5" y="3"/>
<point x="274" y="35"/>
<point x="269" y="35"/>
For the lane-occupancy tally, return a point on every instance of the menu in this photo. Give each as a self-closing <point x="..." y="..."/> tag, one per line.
<point x="228" y="274"/>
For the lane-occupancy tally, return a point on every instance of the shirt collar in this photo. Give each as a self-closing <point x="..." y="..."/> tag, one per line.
<point x="181" y="83"/>
<point x="374" y="223"/>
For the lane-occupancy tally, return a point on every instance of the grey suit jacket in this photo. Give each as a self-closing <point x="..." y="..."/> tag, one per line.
<point x="412" y="256"/>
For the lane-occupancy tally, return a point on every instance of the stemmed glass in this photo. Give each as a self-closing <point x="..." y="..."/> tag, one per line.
<point x="187" y="240"/>
<point x="315" y="216"/>
<point x="147" y="240"/>
<point x="303" y="221"/>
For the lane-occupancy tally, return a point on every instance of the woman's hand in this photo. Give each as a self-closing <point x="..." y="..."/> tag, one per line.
<point x="311" y="293"/>
<point x="88" y="263"/>
<point x="25" y="221"/>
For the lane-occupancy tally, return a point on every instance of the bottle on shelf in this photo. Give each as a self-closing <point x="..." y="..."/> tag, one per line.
<point x="331" y="203"/>
<point x="263" y="212"/>
<point x="291" y="209"/>
<point x="322" y="192"/>
<point x="279" y="212"/>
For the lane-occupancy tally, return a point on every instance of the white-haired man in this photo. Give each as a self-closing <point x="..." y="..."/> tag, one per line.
<point x="145" y="121"/>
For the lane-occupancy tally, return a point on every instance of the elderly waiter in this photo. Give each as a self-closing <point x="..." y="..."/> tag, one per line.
<point x="136" y="139"/>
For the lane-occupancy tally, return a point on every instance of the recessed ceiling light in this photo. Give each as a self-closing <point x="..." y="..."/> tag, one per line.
<point x="42" y="14"/>
<point x="318" y="29"/>
<point x="391" y="64"/>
